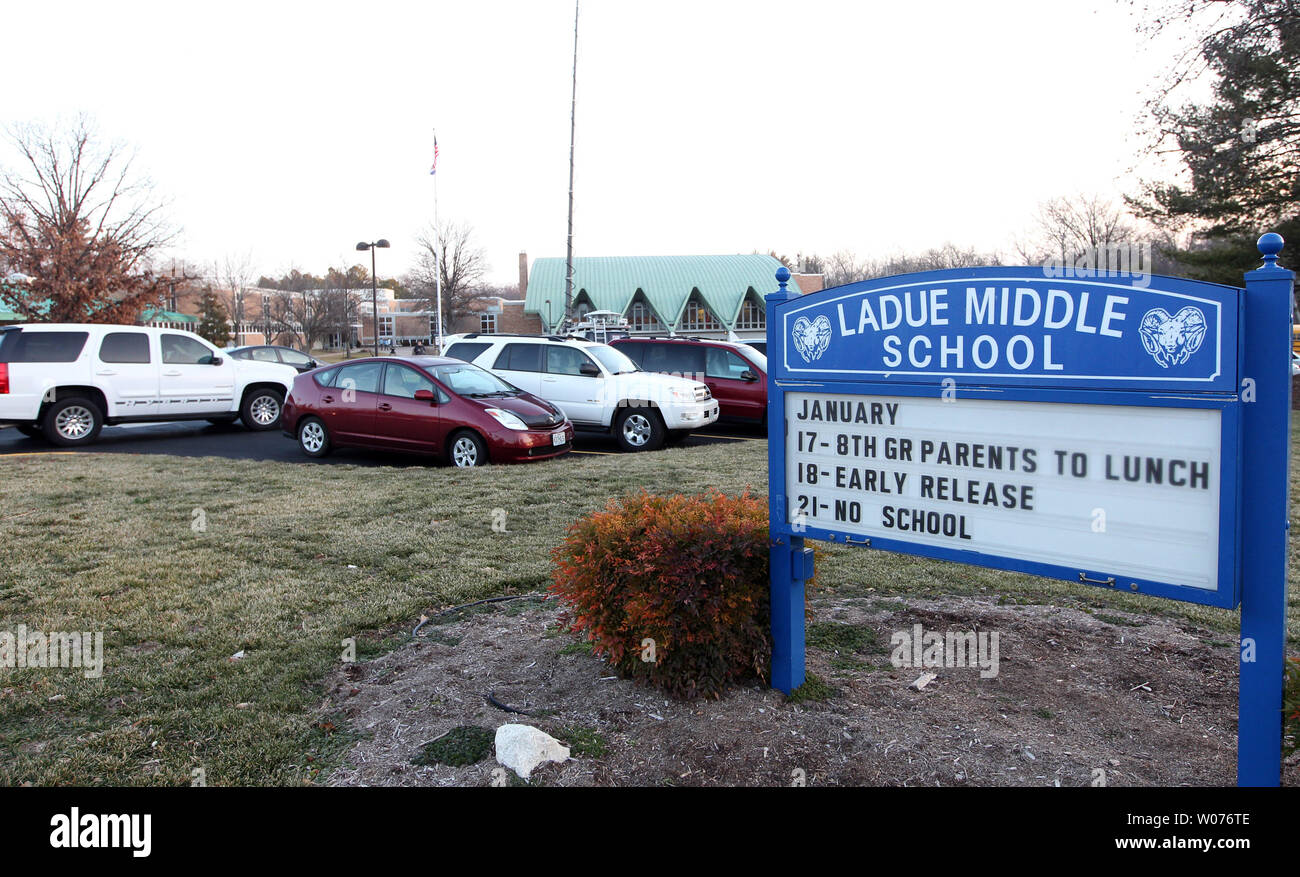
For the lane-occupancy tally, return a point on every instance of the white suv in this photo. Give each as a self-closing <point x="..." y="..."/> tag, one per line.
<point x="597" y="387"/>
<point x="67" y="380"/>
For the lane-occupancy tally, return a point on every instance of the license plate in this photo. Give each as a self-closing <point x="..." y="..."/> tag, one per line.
<point x="557" y="439"/>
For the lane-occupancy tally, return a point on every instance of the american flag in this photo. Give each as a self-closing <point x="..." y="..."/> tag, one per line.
<point x="434" y="169"/>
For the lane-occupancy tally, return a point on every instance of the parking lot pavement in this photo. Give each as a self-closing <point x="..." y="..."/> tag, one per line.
<point x="201" y="439"/>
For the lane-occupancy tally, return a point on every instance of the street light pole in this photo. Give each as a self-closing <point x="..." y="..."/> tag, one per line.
<point x="374" y="285"/>
<point x="374" y="297"/>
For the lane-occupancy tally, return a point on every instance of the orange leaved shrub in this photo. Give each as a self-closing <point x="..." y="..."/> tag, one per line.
<point x="672" y="590"/>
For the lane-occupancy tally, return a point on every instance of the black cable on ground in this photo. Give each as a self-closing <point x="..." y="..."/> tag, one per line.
<point x="425" y="619"/>
<point x="491" y="698"/>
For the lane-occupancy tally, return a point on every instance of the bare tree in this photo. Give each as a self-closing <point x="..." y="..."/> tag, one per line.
<point x="177" y="276"/>
<point x="319" y="307"/>
<point x="948" y="255"/>
<point x="235" y="275"/>
<point x="461" y="264"/>
<point x="813" y="264"/>
<point x="1064" y="228"/>
<point x="845" y="267"/>
<point x="952" y="256"/>
<point x="334" y="307"/>
<point x="77" y="219"/>
<point x="293" y="313"/>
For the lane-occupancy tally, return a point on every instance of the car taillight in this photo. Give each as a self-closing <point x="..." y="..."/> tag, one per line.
<point x="4" y="377"/>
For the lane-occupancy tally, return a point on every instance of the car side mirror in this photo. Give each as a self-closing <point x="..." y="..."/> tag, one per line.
<point x="748" y="375"/>
<point x="426" y="396"/>
<point x="216" y="360"/>
<point x="589" y="369"/>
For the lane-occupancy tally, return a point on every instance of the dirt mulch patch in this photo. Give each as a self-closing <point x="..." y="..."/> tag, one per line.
<point x="1126" y="699"/>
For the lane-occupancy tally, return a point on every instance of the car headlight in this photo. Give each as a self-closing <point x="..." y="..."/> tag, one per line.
<point x="507" y="419"/>
<point x="682" y="394"/>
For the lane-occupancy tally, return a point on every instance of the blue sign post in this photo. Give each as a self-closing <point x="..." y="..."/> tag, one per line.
<point x="1266" y="448"/>
<point x="1089" y="425"/>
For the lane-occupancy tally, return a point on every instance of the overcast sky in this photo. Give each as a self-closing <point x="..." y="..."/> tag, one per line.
<point x="289" y="131"/>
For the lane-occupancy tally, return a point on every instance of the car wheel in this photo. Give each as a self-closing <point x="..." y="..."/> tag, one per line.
<point x="261" y="409"/>
<point x="28" y="430"/>
<point x="313" y="437"/>
<point x="72" y="422"/>
<point x="467" y="449"/>
<point x="639" y="429"/>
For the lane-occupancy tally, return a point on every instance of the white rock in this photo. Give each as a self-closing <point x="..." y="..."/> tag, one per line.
<point x="522" y="748"/>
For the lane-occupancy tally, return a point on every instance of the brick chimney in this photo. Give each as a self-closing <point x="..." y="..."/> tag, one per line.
<point x="523" y="275"/>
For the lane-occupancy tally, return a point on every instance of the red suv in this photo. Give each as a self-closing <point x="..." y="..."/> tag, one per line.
<point x="736" y="373"/>
<point x="426" y="405"/>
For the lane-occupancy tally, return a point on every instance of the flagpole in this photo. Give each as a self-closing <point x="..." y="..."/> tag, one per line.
<point x="573" y="128"/>
<point x="437" y="245"/>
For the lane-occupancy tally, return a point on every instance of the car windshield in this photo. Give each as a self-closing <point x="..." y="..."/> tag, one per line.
<point x="613" y="361"/>
<point x="464" y="379"/>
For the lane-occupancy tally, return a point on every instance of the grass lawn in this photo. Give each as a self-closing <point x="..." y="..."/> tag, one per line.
<point x="340" y="355"/>
<point x="294" y="558"/>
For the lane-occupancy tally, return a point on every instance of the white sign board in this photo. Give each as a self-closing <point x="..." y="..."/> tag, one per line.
<point x="1126" y="489"/>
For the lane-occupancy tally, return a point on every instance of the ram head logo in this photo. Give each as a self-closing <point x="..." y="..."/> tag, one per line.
<point x="1172" y="340"/>
<point x="812" y="337"/>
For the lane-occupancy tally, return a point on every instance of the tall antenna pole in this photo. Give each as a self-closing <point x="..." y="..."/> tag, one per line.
<point x="573" y="128"/>
<point x="437" y="247"/>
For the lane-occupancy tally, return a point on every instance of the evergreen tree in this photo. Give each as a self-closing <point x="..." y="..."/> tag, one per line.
<point x="213" y="320"/>
<point x="1241" y="149"/>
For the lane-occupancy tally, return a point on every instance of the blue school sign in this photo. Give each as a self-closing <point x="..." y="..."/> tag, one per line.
<point x="1086" y="428"/>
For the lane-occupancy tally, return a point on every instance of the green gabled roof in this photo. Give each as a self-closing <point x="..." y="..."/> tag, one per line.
<point x="611" y="282"/>
<point x="166" y="316"/>
<point x="9" y="312"/>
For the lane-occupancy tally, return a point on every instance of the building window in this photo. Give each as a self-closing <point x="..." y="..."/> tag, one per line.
<point x="698" y="319"/>
<point x="487" y="324"/>
<point x="641" y="319"/>
<point x="751" y="316"/>
<point x="386" y="326"/>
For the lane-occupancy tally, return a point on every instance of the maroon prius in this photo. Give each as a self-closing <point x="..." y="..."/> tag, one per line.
<point x="423" y="405"/>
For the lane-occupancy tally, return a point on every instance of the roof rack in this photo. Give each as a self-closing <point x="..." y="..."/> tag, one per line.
<point x="513" y="335"/>
<point x="674" y="338"/>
